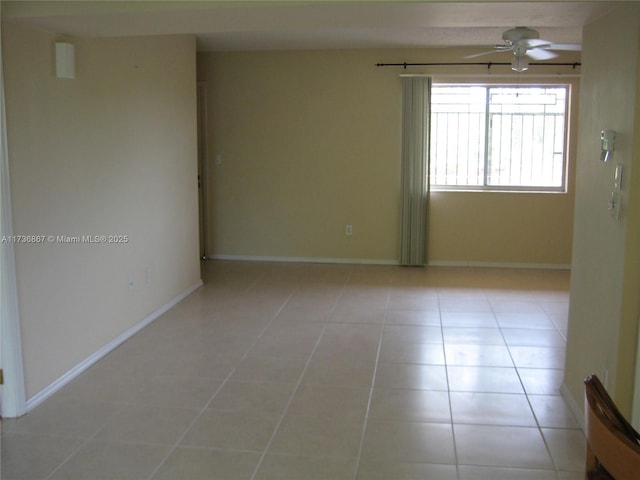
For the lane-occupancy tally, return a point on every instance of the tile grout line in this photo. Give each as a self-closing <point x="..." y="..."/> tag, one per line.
<point x="84" y="443"/>
<point x="224" y="382"/>
<point x="189" y="427"/>
<point x="446" y="373"/>
<point x="286" y="408"/>
<point x="526" y="394"/>
<point x="373" y="383"/>
<point x="120" y="406"/>
<point x="298" y="383"/>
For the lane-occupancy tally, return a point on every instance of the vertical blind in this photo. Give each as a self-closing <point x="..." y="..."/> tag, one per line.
<point x="416" y="92"/>
<point x="13" y="400"/>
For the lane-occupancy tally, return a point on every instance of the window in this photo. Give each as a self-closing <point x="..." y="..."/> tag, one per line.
<point x="498" y="137"/>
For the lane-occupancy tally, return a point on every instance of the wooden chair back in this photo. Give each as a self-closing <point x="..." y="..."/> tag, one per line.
<point x="613" y="445"/>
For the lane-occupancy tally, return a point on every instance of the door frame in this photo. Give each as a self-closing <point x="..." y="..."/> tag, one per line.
<point x="635" y="408"/>
<point x="202" y="167"/>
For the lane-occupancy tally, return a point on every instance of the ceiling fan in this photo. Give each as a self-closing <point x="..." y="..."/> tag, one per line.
<point x="526" y="42"/>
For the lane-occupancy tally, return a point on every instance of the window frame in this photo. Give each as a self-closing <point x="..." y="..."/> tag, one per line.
<point x="508" y="83"/>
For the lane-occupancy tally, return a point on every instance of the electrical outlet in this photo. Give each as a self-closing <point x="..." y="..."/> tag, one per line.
<point x="348" y="230"/>
<point x="130" y="283"/>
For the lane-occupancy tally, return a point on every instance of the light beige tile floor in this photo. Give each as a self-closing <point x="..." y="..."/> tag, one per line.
<point x="308" y="371"/>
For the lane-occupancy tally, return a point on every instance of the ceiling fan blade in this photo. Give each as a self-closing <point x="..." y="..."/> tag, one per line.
<point x="541" y="54"/>
<point x="475" y="55"/>
<point x="534" y="42"/>
<point x="572" y="47"/>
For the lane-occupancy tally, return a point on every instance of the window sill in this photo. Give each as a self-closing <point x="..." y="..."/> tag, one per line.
<point x="495" y="190"/>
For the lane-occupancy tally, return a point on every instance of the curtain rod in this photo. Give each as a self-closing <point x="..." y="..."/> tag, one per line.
<point x="574" y="65"/>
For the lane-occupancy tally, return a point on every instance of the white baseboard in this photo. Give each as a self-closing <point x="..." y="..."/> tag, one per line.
<point x="364" y="261"/>
<point x="577" y="411"/>
<point x="529" y="266"/>
<point x="258" y="258"/>
<point x="46" y="392"/>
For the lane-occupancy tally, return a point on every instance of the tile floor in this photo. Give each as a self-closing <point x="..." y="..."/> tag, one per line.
<point x="307" y="371"/>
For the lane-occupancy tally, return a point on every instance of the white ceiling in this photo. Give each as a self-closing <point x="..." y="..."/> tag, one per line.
<point x="282" y="25"/>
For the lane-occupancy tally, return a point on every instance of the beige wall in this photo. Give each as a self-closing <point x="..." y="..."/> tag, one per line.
<point x="603" y="324"/>
<point x="310" y="142"/>
<point x="111" y="152"/>
<point x="501" y="228"/>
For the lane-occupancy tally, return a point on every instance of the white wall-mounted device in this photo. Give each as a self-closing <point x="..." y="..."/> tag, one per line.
<point x="607" y="140"/>
<point x="614" y="205"/>
<point x="616" y="195"/>
<point x="617" y="178"/>
<point x="65" y="60"/>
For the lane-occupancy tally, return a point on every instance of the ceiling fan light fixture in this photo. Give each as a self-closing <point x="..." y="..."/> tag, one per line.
<point x="520" y="63"/>
<point x="520" y="34"/>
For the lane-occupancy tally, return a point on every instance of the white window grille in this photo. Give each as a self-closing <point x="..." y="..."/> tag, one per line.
<point x="498" y="137"/>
